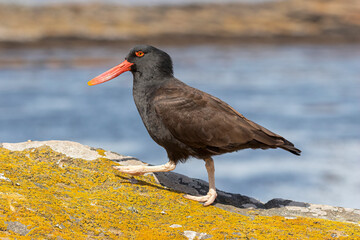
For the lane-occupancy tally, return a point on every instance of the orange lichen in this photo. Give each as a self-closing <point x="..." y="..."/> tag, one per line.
<point x="57" y="196"/>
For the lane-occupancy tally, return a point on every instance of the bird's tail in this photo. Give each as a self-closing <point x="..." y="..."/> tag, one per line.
<point x="288" y="146"/>
<point x="272" y="140"/>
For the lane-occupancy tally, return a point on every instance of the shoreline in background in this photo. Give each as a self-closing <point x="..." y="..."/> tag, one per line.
<point x="173" y="41"/>
<point x="305" y="21"/>
<point x="127" y="3"/>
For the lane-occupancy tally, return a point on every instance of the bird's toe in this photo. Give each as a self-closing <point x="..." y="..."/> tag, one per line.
<point x="211" y="199"/>
<point x="208" y="199"/>
<point x="196" y="198"/>
<point x="132" y="170"/>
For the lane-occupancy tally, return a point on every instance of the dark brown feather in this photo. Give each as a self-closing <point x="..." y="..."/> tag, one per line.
<point x="208" y="125"/>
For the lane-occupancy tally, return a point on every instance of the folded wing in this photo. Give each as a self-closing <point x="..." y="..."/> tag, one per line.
<point x="202" y="121"/>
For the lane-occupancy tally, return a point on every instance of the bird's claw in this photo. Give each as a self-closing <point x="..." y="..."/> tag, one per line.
<point x="132" y="170"/>
<point x="208" y="199"/>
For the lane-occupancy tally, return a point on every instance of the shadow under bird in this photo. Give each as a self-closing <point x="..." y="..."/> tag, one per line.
<point x="184" y="120"/>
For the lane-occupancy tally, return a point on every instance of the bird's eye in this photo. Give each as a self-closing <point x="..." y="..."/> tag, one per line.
<point x="139" y="53"/>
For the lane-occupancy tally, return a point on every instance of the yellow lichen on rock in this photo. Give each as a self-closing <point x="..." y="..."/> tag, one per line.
<point x="101" y="151"/>
<point x="52" y="196"/>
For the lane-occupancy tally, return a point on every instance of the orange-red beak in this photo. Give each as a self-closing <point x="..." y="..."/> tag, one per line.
<point x="112" y="73"/>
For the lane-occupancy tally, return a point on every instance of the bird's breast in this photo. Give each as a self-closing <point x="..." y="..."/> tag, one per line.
<point x="143" y="98"/>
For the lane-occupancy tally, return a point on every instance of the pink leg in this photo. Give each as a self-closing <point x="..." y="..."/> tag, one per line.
<point x="210" y="197"/>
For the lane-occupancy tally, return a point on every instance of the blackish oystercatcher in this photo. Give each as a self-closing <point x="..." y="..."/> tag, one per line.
<point x="184" y="120"/>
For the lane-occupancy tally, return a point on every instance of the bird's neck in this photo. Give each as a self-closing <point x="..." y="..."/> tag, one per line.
<point x="144" y="87"/>
<point x="146" y="82"/>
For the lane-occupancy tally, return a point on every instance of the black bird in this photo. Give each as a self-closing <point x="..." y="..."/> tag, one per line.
<point x="184" y="120"/>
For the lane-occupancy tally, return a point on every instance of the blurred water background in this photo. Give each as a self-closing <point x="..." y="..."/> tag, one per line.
<point x="308" y="93"/>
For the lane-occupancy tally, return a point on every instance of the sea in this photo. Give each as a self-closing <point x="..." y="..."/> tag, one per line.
<point x="308" y="93"/>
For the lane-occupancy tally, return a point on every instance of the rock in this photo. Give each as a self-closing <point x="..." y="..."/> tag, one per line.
<point x="191" y="235"/>
<point x="60" y="226"/>
<point x="18" y="228"/>
<point x="2" y="177"/>
<point x="182" y="183"/>
<point x="175" y="226"/>
<point x="279" y="202"/>
<point x="87" y="198"/>
<point x="242" y="204"/>
<point x="132" y="209"/>
<point x="68" y="148"/>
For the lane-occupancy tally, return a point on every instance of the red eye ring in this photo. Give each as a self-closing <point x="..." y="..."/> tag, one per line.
<point x="139" y="53"/>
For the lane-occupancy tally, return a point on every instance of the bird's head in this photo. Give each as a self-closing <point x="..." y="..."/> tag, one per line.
<point x="142" y="61"/>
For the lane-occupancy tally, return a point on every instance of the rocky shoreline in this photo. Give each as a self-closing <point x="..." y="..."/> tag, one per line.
<point x="65" y="189"/>
<point x="291" y="20"/>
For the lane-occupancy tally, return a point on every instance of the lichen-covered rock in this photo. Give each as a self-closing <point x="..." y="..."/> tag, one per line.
<point x="45" y="194"/>
<point x="242" y="204"/>
<point x="17" y="227"/>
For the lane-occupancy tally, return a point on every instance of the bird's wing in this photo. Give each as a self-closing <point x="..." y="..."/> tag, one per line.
<point x="201" y="120"/>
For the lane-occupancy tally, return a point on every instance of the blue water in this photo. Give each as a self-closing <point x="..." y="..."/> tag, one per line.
<point x="309" y="94"/>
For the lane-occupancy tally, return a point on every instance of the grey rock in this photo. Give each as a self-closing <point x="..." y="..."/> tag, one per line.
<point x="61" y="226"/>
<point x="248" y="206"/>
<point x="241" y="204"/>
<point x="2" y="177"/>
<point x="40" y="185"/>
<point x="132" y="209"/>
<point x="182" y="183"/>
<point x="133" y="180"/>
<point x="18" y="228"/>
<point x="279" y="202"/>
<point x="205" y="236"/>
<point x="68" y="148"/>
<point x="175" y="226"/>
<point x="191" y="235"/>
<point x="75" y="219"/>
